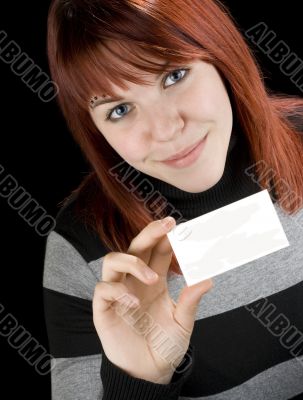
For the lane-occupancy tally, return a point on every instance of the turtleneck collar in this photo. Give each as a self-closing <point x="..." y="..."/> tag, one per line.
<point x="233" y="185"/>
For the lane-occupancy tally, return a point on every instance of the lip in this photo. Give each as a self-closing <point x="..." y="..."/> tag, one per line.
<point x="190" y="157"/>
<point x="182" y="153"/>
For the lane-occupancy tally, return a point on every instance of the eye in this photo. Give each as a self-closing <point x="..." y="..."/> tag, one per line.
<point x="176" y="71"/>
<point x="113" y="110"/>
<point x="110" y="113"/>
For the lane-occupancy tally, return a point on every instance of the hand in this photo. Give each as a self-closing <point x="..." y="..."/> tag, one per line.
<point x="130" y="333"/>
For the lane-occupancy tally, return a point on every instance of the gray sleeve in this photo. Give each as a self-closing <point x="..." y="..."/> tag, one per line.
<point x="77" y="378"/>
<point x="68" y="284"/>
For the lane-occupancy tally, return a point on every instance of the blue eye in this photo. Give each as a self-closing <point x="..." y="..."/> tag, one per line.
<point x="109" y="114"/>
<point x="113" y="110"/>
<point x="173" y="72"/>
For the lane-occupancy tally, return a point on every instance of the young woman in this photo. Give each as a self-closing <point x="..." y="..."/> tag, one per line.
<point x="169" y="107"/>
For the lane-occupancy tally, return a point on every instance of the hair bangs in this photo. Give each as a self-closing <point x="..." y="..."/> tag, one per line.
<point x="105" y="64"/>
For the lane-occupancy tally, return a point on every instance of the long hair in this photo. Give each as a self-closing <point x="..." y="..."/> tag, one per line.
<point x="91" y="44"/>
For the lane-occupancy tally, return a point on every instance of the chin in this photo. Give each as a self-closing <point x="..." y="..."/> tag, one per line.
<point x="208" y="181"/>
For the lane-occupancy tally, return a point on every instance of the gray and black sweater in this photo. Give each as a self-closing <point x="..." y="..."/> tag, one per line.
<point x="247" y="341"/>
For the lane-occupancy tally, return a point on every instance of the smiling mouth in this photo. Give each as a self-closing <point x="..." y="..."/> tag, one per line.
<point x="183" y="153"/>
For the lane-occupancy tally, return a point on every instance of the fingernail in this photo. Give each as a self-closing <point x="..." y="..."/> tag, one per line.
<point x="168" y="222"/>
<point x="150" y="274"/>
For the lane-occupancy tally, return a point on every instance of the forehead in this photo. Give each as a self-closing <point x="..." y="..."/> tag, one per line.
<point x="117" y="92"/>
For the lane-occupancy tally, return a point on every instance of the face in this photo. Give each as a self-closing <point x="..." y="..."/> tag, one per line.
<point x="153" y="123"/>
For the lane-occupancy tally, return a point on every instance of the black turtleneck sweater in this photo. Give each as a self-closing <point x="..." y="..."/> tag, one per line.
<point x="247" y="339"/>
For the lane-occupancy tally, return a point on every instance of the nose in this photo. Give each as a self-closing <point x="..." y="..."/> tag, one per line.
<point x="165" y="122"/>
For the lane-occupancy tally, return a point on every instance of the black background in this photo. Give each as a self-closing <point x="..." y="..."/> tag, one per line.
<point x="37" y="149"/>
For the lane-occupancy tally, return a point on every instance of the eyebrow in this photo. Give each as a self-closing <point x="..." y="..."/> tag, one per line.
<point x="111" y="100"/>
<point x="99" y="102"/>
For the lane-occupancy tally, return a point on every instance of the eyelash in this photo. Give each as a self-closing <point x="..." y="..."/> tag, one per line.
<point x="109" y="113"/>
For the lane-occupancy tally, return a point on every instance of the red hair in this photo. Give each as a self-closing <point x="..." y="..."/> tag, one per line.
<point x="91" y="43"/>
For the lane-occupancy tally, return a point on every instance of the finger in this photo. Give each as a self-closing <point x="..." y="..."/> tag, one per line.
<point x="188" y="302"/>
<point x="161" y="257"/>
<point x="116" y="265"/>
<point x="147" y="239"/>
<point x="106" y="293"/>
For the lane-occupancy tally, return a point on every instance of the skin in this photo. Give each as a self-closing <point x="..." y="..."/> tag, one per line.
<point x="166" y="117"/>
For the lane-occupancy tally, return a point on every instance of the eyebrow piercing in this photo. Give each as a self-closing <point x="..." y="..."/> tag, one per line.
<point x="93" y="100"/>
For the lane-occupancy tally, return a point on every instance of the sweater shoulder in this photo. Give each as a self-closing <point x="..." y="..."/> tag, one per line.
<point x="70" y="224"/>
<point x="296" y="118"/>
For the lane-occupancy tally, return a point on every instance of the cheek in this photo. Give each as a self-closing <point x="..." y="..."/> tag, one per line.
<point x="129" y="149"/>
<point x="211" y="99"/>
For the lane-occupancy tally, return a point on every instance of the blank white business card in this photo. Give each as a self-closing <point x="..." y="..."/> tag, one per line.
<point x="228" y="237"/>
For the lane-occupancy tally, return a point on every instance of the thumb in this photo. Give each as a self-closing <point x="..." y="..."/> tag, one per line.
<point x="188" y="301"/>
